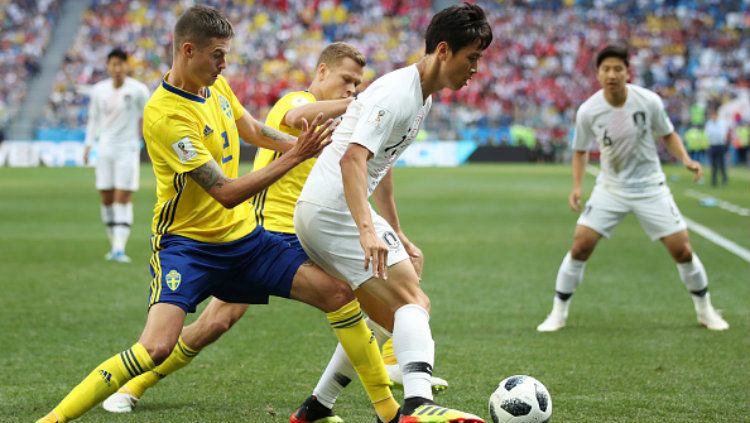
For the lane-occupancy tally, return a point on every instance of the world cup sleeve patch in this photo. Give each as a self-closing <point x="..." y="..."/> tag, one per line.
<point x="184" y="150"/>
<point x="378" y="118"/>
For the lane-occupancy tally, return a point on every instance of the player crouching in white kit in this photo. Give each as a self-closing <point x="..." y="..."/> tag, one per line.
<point x="625" y="120"/>
<point x="114" y="114"/>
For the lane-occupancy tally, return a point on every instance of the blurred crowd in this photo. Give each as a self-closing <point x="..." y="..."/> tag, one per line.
<point x="25" y="27"/>
<point x="540" y="67"/>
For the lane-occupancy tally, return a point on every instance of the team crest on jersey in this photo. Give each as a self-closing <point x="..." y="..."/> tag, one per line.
<point x="224" y="103"/>
<point x="184" y="149"/>
<point x="207" y="131"/>
<point x="376" y="117"/>
<point x="173" y="279"/>
<point x="299" y="101"/>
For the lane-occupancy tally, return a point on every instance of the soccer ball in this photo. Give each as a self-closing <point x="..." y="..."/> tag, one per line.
<point x="520" y="399"/>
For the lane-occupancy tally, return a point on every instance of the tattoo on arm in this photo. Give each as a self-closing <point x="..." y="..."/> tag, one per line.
<point x="208" y="175"/>
<point x="275" y="135"/>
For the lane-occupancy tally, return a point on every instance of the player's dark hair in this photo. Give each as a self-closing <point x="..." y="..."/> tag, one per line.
<point x="617" y="50"/>
<point x="459" y="26"/>
<point x="334" y="53"/>
<point x="117" y="53"/>
<point x="199" y="24"/>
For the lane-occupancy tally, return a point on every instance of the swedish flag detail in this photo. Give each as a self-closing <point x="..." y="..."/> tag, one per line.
<point x="347" y="323"/>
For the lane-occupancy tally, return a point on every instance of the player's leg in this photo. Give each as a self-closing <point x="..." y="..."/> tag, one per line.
<point x="126" y="179"/>
<point x="601" y="215"/>
<point x="693" y="275"/>
<point x="105" y="184"/>
<point x="159" y="336"/>
<point x="313" y="286"/>
<point x="216" y="319"/>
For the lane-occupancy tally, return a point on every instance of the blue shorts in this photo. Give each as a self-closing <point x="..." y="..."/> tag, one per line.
<point x="247" y="271"/>
<point x="291" y="239"/>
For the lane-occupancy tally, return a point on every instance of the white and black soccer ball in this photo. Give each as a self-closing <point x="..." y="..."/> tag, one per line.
<point x="520" y="399"/>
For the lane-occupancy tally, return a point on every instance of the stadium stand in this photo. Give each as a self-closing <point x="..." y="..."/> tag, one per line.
<point x="537" y="72"/>
<point x="25" y="26"/>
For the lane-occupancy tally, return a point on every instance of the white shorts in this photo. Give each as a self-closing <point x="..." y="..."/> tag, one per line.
<point x="331" y="239"/>
<point x="658" y="214"/>
<point x="117" y="169"/>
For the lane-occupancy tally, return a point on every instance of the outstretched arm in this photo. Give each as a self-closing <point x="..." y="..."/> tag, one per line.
<point x="232" y="191"/>
<point x="262" y="135"/>
<point x="330" y="109"/>
<point x="673" y="142"/>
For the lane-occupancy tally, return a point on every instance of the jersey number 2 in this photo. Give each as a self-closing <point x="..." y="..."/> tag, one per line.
<point x="224" y="158"/>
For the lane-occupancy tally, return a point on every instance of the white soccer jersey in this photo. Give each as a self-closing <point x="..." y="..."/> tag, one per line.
<point x="114" y="113"/>
<point x="627" y="138"/>
<point x="385" y="119"/>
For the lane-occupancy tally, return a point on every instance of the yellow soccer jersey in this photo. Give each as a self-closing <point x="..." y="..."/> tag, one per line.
<point x="182" y="132"/>
<point x="274" y="206"/>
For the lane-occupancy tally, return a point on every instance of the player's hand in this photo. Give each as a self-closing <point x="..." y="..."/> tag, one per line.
<point x="376" y="253"/>
<point x="314" y="137"/>
<point x="86" y="151"/>
<point x="694" y="167"/>
<point x="414" y="252"/>
<point x="574" y="200"/>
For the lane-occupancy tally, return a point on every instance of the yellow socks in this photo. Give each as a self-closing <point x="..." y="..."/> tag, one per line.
<point x="362" y="349"/>
<point x="180" y="357"/>
<point x="389" y="357"/>
<point x="104" y="381"/>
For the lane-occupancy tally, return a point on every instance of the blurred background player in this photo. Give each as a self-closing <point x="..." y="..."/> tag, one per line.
<point x="718" y="134"/>
<point x="343" y="234"/>
<point x="626" y="120"/>
<point x="114" y="118"/>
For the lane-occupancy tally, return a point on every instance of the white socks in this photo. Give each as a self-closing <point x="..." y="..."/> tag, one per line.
<point x="123" y="219"/>
<point x="108" y="218"/>
<point x="569" y="276"/>
<point x="693" y="275"/>
<point x="340" y="372"/>
<point x="414" y="349"/>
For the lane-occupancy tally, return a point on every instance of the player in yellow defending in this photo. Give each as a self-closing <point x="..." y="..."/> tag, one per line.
<point x="205" y="241"/>
<point x="338" y="73"/>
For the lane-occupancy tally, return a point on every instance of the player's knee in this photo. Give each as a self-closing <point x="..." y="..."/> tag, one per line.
<point x="683" y="254"/>
<point x="336" y="295"/>
<point x="581" y="251"/>
<point x="219" y="326"/>
<point x="159" y="352"/>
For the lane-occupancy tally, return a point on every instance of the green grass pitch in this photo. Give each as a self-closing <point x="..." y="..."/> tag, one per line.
<point x="493" y="237"/>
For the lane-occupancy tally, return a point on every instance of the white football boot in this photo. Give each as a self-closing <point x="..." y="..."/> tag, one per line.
<point x="120" y="402"/>
<point x="557" y="317"/>
<point x="711" y="319"/>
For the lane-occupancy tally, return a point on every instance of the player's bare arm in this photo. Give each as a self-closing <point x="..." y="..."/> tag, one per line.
<point x="385" y="202"/>
<point x="262" y="135"/>
<point x="354" y="174"/>
<point x="329" y="108"/>
<point x="580" y="158"/>
<point x="673" y="142"/>
<point x="231" y="192"/>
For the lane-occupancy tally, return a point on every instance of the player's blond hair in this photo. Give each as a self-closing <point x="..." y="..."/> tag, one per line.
<point x="334" y="53"/>
<point x="198" y="25"/>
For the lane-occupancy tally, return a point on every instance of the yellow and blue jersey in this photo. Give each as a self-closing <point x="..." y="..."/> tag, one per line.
<point x="182" y="132"/>
<point x="274" y="206"/>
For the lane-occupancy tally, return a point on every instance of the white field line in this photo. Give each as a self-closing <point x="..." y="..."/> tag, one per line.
<point x="703" y="231"/>
<point x="726" y="205"/>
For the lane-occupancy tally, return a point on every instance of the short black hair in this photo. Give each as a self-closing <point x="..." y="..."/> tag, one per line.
<point x="118" y="53"/>
<point x="616" y="50"/>
<point x="459" y="26"/>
